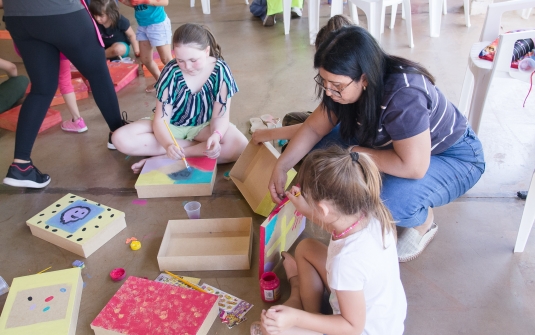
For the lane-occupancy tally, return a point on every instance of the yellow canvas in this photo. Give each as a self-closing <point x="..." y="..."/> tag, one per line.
<point x="44" y="304"/>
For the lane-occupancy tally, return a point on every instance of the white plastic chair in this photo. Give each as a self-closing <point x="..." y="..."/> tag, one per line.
<point x="480" y="72"/>
<point x="374" y="10"/>
<point x="528" y="217"/>
<point x="206" y="5"/>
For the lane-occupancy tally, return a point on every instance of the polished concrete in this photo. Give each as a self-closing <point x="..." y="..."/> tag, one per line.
<point x="468" y="281"/>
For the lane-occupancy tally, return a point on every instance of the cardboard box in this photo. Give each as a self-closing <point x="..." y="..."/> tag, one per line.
<point x="164" y="177"/>
<point x="44" y="304"/>
<point x="251" y="174"/>
<point x="146" y="307"/>
<point x="206" y="244"/>
<point x="9" y="119"/>
<point x="77" y="224"/>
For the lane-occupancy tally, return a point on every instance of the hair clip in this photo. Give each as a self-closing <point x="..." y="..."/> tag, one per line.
<point x="354" y="156"/>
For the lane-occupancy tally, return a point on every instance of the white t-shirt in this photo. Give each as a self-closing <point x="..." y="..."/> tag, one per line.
<point x="361" y="262"/>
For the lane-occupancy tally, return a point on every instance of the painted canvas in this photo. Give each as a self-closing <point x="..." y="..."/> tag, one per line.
<point x="165" y="177"/>
<point x="77" y="224"/>
<point x="142" y="307"/>
<point x="278" y="232"/>
<point x="44" y="304"/>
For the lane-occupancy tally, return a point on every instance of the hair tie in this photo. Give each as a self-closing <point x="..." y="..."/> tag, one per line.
<point x="354" y="156"/>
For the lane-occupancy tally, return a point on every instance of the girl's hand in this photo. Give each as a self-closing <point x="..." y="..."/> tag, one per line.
<point x="262" y="135"/>
<point x="175" y="152"/>
<point x="278" y="319"/>
<point x="213" y="147"/>
<point x="277" y="184"/>
<point x="300" y="203"/>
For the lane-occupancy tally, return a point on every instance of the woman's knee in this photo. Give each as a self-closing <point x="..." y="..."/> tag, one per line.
<point x="307" y="247"/>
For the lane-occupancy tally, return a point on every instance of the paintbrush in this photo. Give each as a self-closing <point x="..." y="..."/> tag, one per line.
<point x="174" y="140"/>
<point x="193" y="286"/>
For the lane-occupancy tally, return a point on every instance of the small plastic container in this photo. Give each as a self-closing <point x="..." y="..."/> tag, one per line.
<point x="527" y="65"/>
<point x="4" y="288"/>
<point x="269" y="287"/>
<point x="193" y="208"/>
<point x="117" y="274"/>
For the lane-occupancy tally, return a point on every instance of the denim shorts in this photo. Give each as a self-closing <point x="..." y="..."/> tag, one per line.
<point x="450" y="174"/>
<point x="157" y="34"/>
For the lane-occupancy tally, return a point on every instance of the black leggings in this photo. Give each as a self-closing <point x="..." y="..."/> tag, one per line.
<point x="40" y="39"/>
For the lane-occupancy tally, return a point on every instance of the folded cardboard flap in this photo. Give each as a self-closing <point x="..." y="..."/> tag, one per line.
<point x="252" y="172"/>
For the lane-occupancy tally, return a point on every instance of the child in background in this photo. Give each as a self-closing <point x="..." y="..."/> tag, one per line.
<point x="154" y="30"/>
<point x="193" y="96"/>
<point x="114" y="28"/>
<point x="13" y="89"/>
<point x="340" y="192"/>
<point x="292" y="121"/>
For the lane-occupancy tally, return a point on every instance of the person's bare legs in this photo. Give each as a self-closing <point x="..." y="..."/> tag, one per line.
<point x="165" y="53"/>
<point x="115" y="50"/>
<point x="423" y="228"/>
<point x="145" y="54"/>
<point x="308" y="286"/>
<point x="232" y="145"/>
<point x="72" y="106"/>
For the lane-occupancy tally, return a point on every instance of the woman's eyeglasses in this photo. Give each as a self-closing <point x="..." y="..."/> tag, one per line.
<point x="319" y="81"/>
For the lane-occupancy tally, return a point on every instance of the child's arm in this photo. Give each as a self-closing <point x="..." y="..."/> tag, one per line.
<point x="351" y="320"/>
<point x="132" y="37"/>
<point x="218" y="124"/>
<point x="160" y="129"/>
<point x="126" y="3"/>
<point x="9" y="67"/>
<point x="149" y="2"/>
<point x="282" y="133"/>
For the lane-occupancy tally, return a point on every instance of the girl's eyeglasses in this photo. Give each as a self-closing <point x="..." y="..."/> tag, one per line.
<point x="319" y="81"/>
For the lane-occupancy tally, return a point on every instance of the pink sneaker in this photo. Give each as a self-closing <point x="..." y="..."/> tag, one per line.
<point x="77" y="126"/>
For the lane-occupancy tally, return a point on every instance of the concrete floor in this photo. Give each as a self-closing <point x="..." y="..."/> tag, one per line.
<point x="468" y="281"/>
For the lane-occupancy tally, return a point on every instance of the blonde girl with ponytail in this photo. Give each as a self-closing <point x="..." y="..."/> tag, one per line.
<point x="340" y="192"/>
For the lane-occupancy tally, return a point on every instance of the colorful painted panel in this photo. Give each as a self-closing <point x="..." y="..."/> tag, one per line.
<point x="166" y="171"/>
<point x="278" y="232"/>
<point x="75" y="218"/>
<point x="142" y="307"/>
<point x="44" y="304"/>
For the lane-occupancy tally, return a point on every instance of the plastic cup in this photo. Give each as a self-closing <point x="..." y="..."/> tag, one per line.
<point x="3" y="286"/>
<point x="193" y="208"/>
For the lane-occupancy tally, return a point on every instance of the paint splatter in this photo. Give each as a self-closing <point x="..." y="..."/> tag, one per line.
<point x="46" y="308"/>
<point x="140" y="202"/>
<point x="49" y="299"/>
<point x="180" y="175"/>
<point x="62" y="290"/>
<point x="32" y="307"/>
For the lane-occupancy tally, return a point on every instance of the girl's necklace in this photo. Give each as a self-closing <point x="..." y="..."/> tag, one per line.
<point x="347" y="230"/>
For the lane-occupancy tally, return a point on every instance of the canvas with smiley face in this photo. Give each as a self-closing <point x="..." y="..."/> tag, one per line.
<point x="77" y="224"/>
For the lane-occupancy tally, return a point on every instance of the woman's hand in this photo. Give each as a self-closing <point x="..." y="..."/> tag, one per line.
<point x="175" y="152"/>
<point x="279" y="318"/>
<point x="213" y="147"/>
<point x="277" y="184"/>
<point x="262" y="135"/>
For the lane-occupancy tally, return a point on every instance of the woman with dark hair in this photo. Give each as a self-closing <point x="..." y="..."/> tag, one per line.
<point x="389" y="107"/>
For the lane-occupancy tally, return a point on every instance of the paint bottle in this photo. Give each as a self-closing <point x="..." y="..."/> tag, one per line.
<point x="269" y="287"/>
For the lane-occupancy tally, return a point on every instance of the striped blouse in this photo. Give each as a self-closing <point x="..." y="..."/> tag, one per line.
<point x="193" y="109"/>
<point x="412" y="104"/>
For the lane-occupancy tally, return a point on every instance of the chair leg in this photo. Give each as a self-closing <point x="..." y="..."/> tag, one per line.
<point x="374" y="19"/>
<point x="192" y="3"/>
<point x="205" y="6"/>
<point x="393" y="16"/>
<point x="528" y="216"/>
<point x="479" y="98"/>
<point x="408" y="21"/>
<point x="246" y="2"/>
<point x="354" y="13"/>
<point x="445" y="7"/>
<point x="466" y="92"/>
<point x="466" y="12"/>
<point x="526" y="13"/>
<point x="286" y="12"/>
<point x="383" y="16"/>
<point x="435" y="17"/>
<point x="337" y="7"/>
<point x="313" y="19"/>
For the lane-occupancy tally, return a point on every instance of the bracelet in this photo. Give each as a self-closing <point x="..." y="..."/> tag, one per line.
<point x="218" y="133"/>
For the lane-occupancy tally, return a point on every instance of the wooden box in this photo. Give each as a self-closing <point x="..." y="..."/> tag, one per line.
<point x="251" y="174"/>
<point x="9" y="119"/>
<point x="77" y="224"/>
<point x="206" y="244"/>
<point x="146" y="307"/>
<point x="164" y="177"/>
<point x="44" y="304"/>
